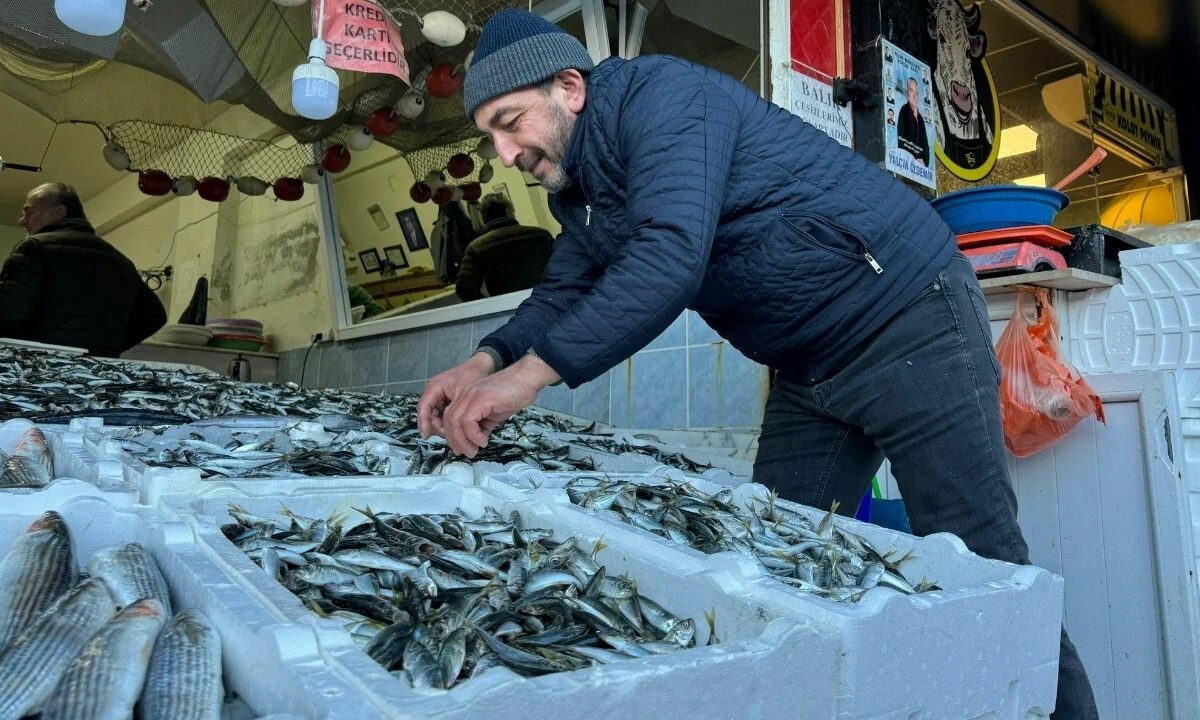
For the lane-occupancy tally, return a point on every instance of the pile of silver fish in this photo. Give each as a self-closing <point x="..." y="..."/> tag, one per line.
<point x="439" y="599"/>
<point x="821" y="559"/>
<point x="25" y="460"/>
<point x="54" y="387"/>
<point x="101" y="645"/>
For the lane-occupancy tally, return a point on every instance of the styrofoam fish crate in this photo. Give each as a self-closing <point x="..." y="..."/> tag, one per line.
<point x="760" y="646"/>
<point x="90" y="451"/>
<point x="989" y="638"/>
<point x="1151" y="321"/>
<point x="1148" y="322"/>
<point x="274" y="666"/>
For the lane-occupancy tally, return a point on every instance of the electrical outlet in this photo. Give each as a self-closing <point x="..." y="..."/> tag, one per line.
<point x="318" y="337"/>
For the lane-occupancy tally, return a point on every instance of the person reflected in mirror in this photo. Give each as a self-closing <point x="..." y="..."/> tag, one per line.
<point x="65" y="285"/>
<point x="360" y="297"/>
<point x="506" y="257"/>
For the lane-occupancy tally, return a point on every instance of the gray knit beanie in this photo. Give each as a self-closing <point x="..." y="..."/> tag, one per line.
<point x="517" y="49"/>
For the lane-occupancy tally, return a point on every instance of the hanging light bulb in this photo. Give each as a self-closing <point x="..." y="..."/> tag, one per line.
<point x="91" y="17"/>
<point x="358" y="138"/>
<point x="315" y="85"/>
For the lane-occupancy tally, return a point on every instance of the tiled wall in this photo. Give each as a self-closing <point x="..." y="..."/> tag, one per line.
<point x="686" y="378"/>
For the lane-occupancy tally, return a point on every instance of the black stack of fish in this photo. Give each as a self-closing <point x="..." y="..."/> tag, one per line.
<point x="441" y="598"/>
<point x="99" y="646"/>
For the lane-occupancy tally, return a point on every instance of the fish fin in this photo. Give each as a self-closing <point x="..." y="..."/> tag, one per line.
<point x="600" y="545"/>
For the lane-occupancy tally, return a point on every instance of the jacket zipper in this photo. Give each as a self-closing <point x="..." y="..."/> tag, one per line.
<point x="866" y="247"/>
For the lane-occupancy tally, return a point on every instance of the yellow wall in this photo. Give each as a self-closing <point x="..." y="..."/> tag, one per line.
<point x="262" y="257"/>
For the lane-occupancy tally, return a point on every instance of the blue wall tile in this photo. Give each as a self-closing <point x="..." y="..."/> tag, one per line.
<point x="336" y="365"/>
<point x="449" y="345"/>
<point x="674" y="336"/>
<point x="726" y="389"/>
<point x="406" y="388"/>
<point x="482" y="327"/>
<point x="407" y="356"/>
<point x="593" y="400"/>
<point x="370" y="362"/>
<point x="699" y="333"/>
<point x="621" y="389"/>
<point x="660" y="389"/>
<point x="557" y="397"/>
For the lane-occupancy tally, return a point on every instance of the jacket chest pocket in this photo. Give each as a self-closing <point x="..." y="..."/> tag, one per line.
<point x="832" y="237"/>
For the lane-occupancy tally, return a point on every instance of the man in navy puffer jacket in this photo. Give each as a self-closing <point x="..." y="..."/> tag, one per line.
<point x="677" y="187"/>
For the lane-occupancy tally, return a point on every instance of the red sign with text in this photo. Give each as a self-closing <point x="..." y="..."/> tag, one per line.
<point x="361" y="37"/>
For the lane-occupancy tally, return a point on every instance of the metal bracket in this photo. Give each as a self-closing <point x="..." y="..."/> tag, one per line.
<point x="847" y="90"/>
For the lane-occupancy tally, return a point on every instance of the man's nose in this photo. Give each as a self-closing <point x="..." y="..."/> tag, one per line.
<point x="507" y="150"/>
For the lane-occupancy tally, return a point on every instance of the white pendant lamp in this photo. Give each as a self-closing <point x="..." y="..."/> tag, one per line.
<point x="91" y="17"/>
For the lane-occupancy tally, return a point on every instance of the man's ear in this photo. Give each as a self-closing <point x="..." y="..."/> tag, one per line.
<point x="59" y="212"/>
<point x="574" y="88"/>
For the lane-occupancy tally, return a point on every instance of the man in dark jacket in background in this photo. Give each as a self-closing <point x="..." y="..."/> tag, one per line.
<point x="64" y="285"/>
<point x="507" y="257"/>
<point x="677" y="187"/>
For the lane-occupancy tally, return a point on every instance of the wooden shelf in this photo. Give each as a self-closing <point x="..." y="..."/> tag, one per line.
<point x="1069" y="279"/>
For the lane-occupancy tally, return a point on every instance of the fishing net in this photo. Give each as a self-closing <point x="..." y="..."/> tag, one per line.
<point x="187" y="151"/>
<point x="425" y="160"/>
<point x="179" y="65"/>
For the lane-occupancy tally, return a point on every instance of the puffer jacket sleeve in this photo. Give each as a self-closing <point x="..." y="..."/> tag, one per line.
<point x="570" y="272"/>
<point x="676" y="137"/>
<point x="20" y="283"/>
<point x="469" y="283"/>
<point x="146" y="318"/>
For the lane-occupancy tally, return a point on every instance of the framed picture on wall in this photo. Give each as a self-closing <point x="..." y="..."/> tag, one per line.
<point x="395" y="255"/>
<point x="414" y="234"/>
<point x="370" y="260"/>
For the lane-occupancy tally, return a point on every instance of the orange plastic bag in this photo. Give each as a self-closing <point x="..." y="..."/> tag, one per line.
<point x="1042" y="397"/>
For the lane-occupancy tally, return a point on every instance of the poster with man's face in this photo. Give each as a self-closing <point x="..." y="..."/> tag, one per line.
<point x="908" y="127"/>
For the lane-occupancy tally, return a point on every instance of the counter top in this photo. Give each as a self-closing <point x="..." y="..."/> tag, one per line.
<point x="206" y="348"/>
<point x="1068" y="279"/>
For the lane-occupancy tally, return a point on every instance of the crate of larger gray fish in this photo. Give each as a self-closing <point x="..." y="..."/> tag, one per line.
<point x="988" y="631"/>
<point x="104" y="609"/>
<point x="448" y="601"/>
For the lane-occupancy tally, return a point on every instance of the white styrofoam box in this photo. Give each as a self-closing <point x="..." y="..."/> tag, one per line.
<point x="1151" y="321"/>
<point x="760" y="648"/>
<point x="1108" y="508"/>
<point x="272" y="665"/>
<point x="91" y="452"/>
<point x="1011" y="614"/>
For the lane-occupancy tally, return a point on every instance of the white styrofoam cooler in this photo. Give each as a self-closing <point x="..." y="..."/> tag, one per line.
<point x="1011" y="614"/>
<point x="741" y="676"/>
<point x="274" y="666"/>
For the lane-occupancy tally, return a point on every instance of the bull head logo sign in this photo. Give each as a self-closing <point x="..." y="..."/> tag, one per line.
<point x="968" y="117"/>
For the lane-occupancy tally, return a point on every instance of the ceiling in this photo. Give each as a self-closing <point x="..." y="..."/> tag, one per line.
<point x="73" y="157"/>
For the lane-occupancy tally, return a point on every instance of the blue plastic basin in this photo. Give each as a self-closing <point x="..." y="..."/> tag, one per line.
<point x="999" y="206"/>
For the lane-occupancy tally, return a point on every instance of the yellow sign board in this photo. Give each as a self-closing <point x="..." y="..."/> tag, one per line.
<point x="1140" y="124"/>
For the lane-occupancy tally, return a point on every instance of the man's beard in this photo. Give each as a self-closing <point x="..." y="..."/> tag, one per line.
<point x="554" y="179"/>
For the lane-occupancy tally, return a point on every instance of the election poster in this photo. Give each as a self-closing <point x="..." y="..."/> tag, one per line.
<point x="908" y="116"/>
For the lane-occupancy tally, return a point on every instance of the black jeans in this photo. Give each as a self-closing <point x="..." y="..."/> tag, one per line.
<point x="925" y="392"/>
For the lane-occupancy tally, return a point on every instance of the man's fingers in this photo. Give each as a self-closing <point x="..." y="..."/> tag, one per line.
<point x="430" y="409"/>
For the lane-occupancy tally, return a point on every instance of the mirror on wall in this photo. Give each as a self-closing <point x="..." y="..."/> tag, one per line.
<point x="403" y="256"/>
